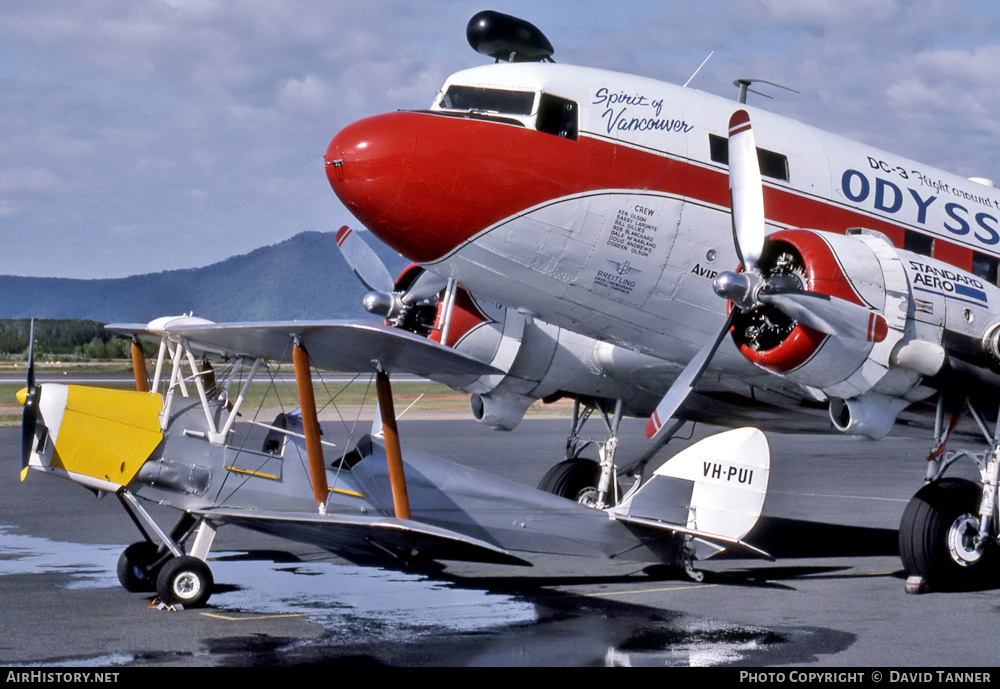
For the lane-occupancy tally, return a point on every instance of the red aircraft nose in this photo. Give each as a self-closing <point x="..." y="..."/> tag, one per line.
<point x="426" y="183"/>
<point x="368" y="164"/>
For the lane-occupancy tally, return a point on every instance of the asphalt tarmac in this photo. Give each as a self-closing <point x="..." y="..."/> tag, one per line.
<point x="834" y="597"/>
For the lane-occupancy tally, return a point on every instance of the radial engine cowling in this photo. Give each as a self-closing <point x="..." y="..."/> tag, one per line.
<point x="860" y="268"/>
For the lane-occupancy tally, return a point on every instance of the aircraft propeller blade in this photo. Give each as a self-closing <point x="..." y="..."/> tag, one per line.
<point x="818" y="311"/>
<point x="685" y="383"/>
<point x="746" y="191"/>
<point x="829" y="315"/>
<point x="364" y="261"/>
<point x="426" y="286"/>
<point x="376" y="277"/>
<point x="745" y="290"/>
<point x="29" y="415"/>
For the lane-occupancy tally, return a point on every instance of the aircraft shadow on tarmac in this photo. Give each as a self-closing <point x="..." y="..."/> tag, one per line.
<point x="796" y="538"/>
<point x="785" y="539"/>
<point x="568" y="628"/>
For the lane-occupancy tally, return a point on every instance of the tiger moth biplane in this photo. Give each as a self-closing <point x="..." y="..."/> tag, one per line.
<point x="179" y="440"/>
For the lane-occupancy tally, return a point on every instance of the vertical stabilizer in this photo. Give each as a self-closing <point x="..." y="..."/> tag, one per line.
<point x="713" y="490"/>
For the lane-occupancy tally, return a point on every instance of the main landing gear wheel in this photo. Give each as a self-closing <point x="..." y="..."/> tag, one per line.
<point x="185" y="581"/>
<point x="575" y="479"/>
<point x="937" y="536"/>
<point x="136" y="571"/>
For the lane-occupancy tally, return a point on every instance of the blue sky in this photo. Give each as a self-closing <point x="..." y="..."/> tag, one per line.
<point x="153" y="135"/>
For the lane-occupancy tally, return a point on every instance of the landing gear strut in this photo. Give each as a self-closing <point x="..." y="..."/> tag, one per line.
<point x="178" y="578"/>
<point x="590" y="483"/>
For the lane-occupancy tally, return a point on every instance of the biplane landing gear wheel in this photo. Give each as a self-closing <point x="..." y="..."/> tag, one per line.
<point x="575" y="479"/>
<point x="937" y="536"/>
<point x="136" y="571"/>
<point x="186" y="581"/>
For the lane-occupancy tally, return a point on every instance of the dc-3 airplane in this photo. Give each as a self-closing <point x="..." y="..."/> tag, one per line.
<point x="586" y="234"/>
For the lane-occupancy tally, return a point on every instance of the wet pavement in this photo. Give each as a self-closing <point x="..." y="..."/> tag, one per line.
<point x="834" y="596"/>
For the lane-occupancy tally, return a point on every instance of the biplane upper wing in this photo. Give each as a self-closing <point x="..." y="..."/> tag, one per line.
<point x="335" y="345"/>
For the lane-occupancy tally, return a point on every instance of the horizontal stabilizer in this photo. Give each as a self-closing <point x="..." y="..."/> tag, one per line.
<point x="713" y="490"/>
<point x="343" y="533"/>
<point x="349" y="346"/>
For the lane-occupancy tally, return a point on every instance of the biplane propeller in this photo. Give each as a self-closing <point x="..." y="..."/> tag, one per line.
<point x="29" y="415"/>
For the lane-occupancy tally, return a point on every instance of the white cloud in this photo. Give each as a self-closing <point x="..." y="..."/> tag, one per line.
<point x="830" y="13"/>
<point x="306" y="93"/>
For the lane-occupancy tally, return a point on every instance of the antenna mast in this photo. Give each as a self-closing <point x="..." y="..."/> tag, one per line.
<point x="744" y="85"/>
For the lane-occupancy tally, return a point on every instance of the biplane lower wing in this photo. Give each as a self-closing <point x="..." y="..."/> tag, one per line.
<point x="352" y="535"/>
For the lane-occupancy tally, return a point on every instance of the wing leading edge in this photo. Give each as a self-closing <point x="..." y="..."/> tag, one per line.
<point x="350" y="346"/>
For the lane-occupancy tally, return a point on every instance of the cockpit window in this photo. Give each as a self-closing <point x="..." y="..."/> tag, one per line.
<point x="477" y="99"/>
<point x="557" y="116"/>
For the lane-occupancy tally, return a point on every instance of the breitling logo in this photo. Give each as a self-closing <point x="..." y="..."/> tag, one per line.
<point x="623" y="267"/>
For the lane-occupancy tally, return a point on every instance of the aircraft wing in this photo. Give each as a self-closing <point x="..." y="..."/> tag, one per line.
<point x="355" y="534"/>
<point x="352" y="346"/>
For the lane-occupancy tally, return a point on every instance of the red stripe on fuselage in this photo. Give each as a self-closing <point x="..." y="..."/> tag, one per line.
<point x="426" y="184"/>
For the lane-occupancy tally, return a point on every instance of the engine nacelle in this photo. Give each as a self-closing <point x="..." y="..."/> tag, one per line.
<point x="871" y="415"/>
<point x="942" y="329"/>
<point x="540" y="361"/>
<point x="500" y="411"/>
<point x="863" y="269"/>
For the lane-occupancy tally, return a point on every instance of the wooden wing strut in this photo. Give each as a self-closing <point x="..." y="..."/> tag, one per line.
<point x="310" y="424"/>
<point x="139" y="366"/>
<point x="393" y="453"/>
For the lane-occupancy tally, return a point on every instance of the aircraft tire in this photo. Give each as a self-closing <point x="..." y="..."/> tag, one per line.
<point x="574" y="479"/>
<point x="185" y="581"/>
<point x="135" y="564"/>
<point x="935" y="536"/>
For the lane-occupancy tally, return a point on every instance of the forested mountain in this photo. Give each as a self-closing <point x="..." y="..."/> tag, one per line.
<point x="304" y="277"/>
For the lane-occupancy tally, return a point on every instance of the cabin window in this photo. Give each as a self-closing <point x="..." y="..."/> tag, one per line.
<point x="985" y="267"/>
<point x="476" y="99"/>
<point x="918" y="243"/>
<point x="773" y="165"/>
<point x="557" y="116"/>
